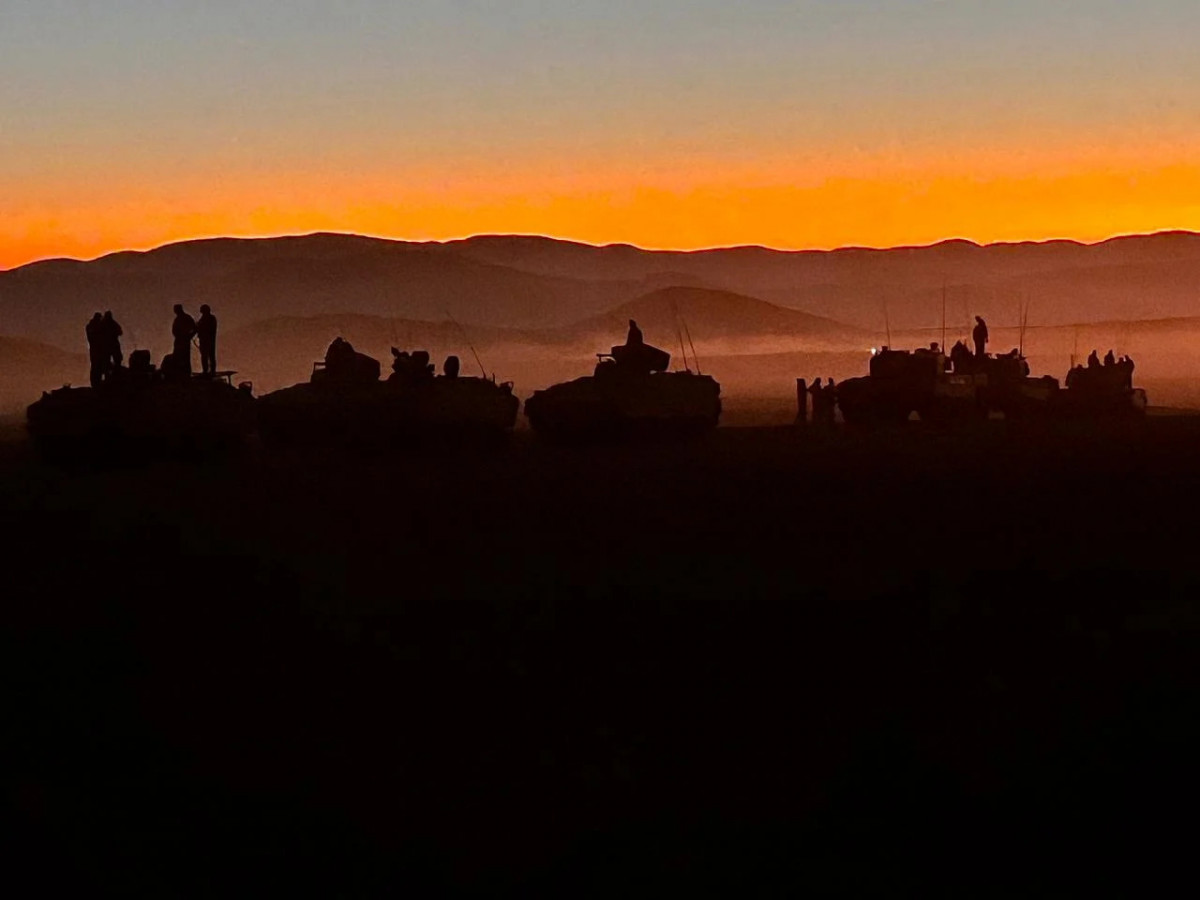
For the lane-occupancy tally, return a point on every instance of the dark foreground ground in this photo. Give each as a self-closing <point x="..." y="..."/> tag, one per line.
<point x="766" y="663"/>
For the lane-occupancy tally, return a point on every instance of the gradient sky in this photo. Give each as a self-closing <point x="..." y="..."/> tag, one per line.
<point x="665" y="123"/>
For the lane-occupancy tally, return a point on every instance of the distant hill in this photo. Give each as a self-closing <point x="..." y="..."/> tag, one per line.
<point x="1137" y="277"/>
<point x="251" y="280"/>
<point x="713" y="316"/>
<point x="29" y="367"/>
<point x="532" y="283"/>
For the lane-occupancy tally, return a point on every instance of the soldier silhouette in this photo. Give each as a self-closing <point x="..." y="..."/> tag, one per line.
<point x="1110" y="359"/>
<point x="97" y="352"/>
<point x="1093" y="359"/>
<point x="183" y="329"/>
<point x="960" y="357"/>
<point x="206" y="334"/>
<point x="634" y="338"/>
<point x="111" y="332"/>
<point x="422" y="367"/>
<point x="980" y="336"/>
<point x="1127" y="367"/>
<point x="829" y="401"/>
<point x="339" y="357"/>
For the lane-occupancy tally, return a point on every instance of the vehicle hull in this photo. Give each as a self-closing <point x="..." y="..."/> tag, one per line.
<point x="669" y="404"/>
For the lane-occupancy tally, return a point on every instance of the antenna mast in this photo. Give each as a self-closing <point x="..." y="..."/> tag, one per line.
<point x="679" y="333"/>
<point x="887" y="323"/>
<point x="469" y="344"/>
<point x="1024" y="324"/>
<point x="943" y="316"/>
<point x="695" y="358"/>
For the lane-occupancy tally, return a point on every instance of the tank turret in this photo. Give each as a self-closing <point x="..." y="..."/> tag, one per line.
<point x="344" y="366"/>
<point x="345" y="402"/>
<point x="629" y="392"/>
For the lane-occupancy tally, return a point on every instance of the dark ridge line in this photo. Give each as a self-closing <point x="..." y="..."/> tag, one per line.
<point x="963" y="243"/>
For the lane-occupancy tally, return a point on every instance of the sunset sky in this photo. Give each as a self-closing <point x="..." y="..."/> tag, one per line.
<point x="664" y="123"/>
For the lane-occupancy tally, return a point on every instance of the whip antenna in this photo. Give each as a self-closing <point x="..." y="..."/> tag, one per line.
<point x="678" y="332"/>
<point x="463" y="331"/>
<point x="695" y="358"/>
<point x="1020" y="325"/>
<point x="943" y="316"/>
<point x="1024" y="323"/>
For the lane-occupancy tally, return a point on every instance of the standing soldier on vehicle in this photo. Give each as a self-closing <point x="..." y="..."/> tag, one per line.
<point x="206" y="334"/>
<point x="980" y="336"/>
<point x="829" y="396"/>
<point x="183" y="329"/>
<point x="111" y="332"/>
<point x="816" y="390"/>
<point x="97" y="351"/>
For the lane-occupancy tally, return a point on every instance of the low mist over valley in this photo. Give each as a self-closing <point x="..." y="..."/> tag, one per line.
<point x="536" y="310"/>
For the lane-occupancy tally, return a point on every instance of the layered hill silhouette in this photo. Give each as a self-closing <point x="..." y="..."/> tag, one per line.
<point x="719" y="316"/>
<point x="531" y="283"/>
<point x="1136" y="277"/>
<point x="251" y="280"/>
<point x="29" y="367"/>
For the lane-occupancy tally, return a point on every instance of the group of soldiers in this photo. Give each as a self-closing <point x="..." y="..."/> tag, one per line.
<point x="104" y="345"/>
<point x="961" y="359"/>
<point x="183" y="329"/>
<point x="824" y="401"/>
<point x="1111" y="371"/>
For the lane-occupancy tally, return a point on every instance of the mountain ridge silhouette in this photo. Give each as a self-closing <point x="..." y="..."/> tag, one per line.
<point x="516" y="281"/>
<point x="537" y="239"/>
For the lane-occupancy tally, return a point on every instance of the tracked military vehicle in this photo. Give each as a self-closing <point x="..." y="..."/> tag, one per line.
<point x="629" y="393"/>
<point x="959" y="389"/>
<point x="140" y="411"/>
<point x="966" y="387"/>
<point x="345" y="402"/>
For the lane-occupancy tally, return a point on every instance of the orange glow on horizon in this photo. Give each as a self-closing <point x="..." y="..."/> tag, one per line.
<point x="1086" y="195"/>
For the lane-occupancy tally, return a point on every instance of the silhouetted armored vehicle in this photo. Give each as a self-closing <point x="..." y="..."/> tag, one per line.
<point x="139" y="411"/>
<point x="960" y="389"/>
<point x="345" y="402"/>
<point x="630" y="393"/>
<point x="1102" y="392"/>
